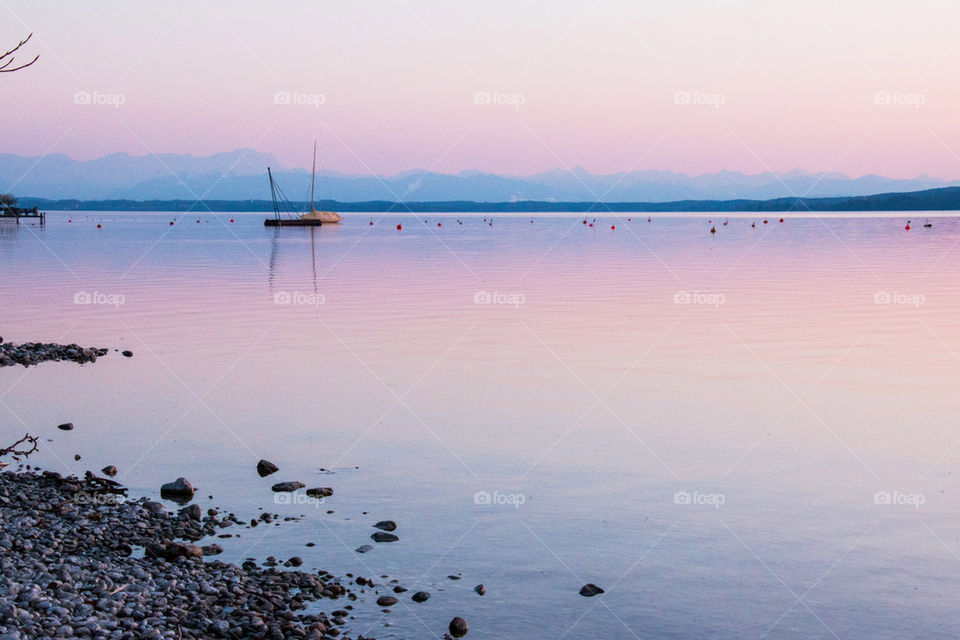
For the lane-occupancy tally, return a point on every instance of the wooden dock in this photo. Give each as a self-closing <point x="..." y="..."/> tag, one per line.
<point x="15" y="213"/>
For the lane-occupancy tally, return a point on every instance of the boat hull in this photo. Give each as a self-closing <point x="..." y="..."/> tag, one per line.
<point x="295" y="222"/>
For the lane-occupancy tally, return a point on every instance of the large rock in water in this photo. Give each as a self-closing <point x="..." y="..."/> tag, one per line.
<point x="179" y="489"/>
<point x="379" y="536"/>
<point x="66" y="426"/>
<point x="458" y="627"/>
<point x="265" y="468"/>
<point x="320" y="492"/>
<point x="386" y="601"/>
<point x="287" y="486"/>
<point x="589" y="590"/>
<point x="386" y="525"/>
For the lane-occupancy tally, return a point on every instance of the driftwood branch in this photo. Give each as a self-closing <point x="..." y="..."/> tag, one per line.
<point x="10" y="57"/>
<point x="22" y="447"/>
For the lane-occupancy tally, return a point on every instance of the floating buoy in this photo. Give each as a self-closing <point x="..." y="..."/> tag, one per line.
<point x="591" y="224"/>
<point x="709" y="221"/>
<point x="906" y="227"/>
<point x="584" y="222"/>
<point x="764" y="222"/>
<point x="753" y="225"/>
<point x="371" y="223"/>
<point x="231" y="220"/>
<point x="198" y="222"/>
<point x="399" y="227"/>
<point x="781" y="219"/>
<point x="69" y="220"/>
<point x="439" y="224"/>
<point x="648" y="219"/>
<point x="171" y="223"/>
<point x="713" y="229"/>
<point x="101" y="227"/>
<point x="613" y="226"/>
<point x="629" y="219"/>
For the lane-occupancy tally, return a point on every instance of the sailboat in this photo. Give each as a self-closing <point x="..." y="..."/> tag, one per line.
<point x="325" y="217"/>
<point x="312" y="218"/>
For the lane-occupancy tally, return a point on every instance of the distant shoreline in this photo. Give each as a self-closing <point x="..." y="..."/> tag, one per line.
<point x="943" y="199"/>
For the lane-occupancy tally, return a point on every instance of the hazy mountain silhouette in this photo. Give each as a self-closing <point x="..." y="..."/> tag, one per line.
<point x="240" y="175"/>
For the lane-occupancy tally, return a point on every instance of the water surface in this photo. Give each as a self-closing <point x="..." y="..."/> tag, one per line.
<point x="698" y="423"/>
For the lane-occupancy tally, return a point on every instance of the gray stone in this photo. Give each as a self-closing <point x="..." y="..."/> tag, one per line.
<point x="179" y="488"/>
<point x="287" y="486"/>
<point x="458" y="627"/>
<point x="265" y="468"/>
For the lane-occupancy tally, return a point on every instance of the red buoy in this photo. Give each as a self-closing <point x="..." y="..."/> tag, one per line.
<point x="69" y="220"/>
<point x="613" y="226"/>
<point x="781" y="219"/>
<point x="171" y="223"/>
<point x="629" y="219"/>
<point x="399" y="226"/>
<point x="764" y="222"/>
<point x="591" y="224"/>
<point x="584" y="222"/>
<point x="231" y="220"/>
<point x="439" y="224"/>
<point x="906" y="227"/>
<point x="101" y="227"/>
<point x="371" y="223"/>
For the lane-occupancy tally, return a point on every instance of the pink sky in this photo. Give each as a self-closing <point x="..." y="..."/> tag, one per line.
<point x="866" y="87"/>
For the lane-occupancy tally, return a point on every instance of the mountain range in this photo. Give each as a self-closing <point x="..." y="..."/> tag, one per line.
<point x="241" y="175"/>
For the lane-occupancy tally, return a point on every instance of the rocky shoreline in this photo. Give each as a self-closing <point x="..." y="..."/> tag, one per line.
<point x="77" y="559"/>
<point x="31" y="353"/>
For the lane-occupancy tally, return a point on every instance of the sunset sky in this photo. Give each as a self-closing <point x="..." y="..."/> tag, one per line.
<point x="385" y="86"/>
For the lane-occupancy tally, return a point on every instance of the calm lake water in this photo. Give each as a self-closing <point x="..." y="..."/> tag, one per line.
<point x="752" y="434"/>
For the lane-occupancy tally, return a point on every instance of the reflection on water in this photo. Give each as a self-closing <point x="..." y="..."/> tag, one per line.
<point x="747" y="434"/>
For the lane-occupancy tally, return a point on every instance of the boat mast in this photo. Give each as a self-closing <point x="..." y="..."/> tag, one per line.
<point x="313" y="179"/>
<point x="273" y="195"/>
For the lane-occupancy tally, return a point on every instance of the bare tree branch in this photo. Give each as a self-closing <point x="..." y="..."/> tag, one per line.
<point x="3" y="67"/>
<point x="22" y="447"/>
